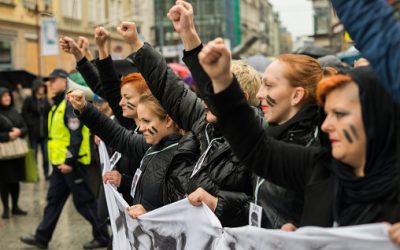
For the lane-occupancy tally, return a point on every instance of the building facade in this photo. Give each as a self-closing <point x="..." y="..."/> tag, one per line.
<point x="20" y="25"/>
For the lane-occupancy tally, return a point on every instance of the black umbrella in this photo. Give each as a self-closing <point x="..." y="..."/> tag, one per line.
<point x="10" y="78"/>
<point x="313" y="51"/>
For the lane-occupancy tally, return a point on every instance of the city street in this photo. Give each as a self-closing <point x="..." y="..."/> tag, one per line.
<point x="72" y="230"/>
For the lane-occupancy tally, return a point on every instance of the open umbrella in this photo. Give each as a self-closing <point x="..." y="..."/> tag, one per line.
<point x="10" y="78"/>
<point x="259" y="62"/>
<point x="181" y="70"/>
<point x="313" y="51"/>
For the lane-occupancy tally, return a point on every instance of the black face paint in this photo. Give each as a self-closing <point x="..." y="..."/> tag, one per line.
<point x="130" y="106"/>
<point x="354" y="131"/>
<point x="154" y="130"/>
<point x="347" y="135"/>
<point x="150" y="131"/>
<point x="270" y="101"/>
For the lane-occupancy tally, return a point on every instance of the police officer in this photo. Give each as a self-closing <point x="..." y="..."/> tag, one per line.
<point x="69" y="154"/>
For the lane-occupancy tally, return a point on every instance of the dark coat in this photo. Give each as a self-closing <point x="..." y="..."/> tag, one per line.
<point x="221" y="173"/>
<point x="11" y="170"/>
<point x="306" y="171"/>
<point x="281" y="205"/>
<point x="35" y="112"/>
<point x="103" y="80"/>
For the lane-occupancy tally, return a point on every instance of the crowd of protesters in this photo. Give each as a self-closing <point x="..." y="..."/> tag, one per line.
<point x="311" y="142"/>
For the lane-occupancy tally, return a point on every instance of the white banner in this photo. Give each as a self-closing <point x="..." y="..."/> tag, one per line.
<point x="48" y="36"/>
<point x="366" y="237"/>
<point x="117" y="206"/>
<point x="182" y="226"/>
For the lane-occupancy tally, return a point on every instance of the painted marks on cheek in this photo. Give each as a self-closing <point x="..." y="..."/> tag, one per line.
<point x="130" y="106"/>
<point x="347" y="136"/>
<point x="152" y="130"/>
<point x="270" y="101"/>
<point x="354" y="131"/>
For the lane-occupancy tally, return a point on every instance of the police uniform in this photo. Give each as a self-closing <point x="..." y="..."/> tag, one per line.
<point x="68" y="144"/>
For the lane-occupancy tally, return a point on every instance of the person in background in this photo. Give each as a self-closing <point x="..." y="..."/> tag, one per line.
<point x="69" y="154"/>
<point x="12" y="126"/>
<point x="35" y="110"/>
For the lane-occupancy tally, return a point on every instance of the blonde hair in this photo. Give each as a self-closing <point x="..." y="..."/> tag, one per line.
<point x="248" y="78"/>
<point x="154" y="105"/>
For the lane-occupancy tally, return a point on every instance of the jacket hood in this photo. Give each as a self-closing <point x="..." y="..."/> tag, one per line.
<point x="2" y="92"/>
<point x="36" y="84"/>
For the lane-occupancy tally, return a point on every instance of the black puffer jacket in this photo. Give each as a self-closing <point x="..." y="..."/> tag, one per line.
<point x="221" y="173"/>
<point x="150" y="188"/>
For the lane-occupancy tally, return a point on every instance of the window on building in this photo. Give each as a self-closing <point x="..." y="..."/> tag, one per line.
<point x="5" y="54"/>
<point x="97" y="11"/>
<point x="29" y="4"/>
<point x="72" y="9"/>
<point x="116" y="12"/>
<point x="7" y="1"/>
<point x="321" y="21"/>
<point x="48" y="6"/>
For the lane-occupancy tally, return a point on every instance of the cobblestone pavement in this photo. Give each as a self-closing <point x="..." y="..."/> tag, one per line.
<point x="72" y="230"/>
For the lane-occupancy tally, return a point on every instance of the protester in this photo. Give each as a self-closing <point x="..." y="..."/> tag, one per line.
<point x="357" y="182"/>
<point x="12" y="126"/>
<point x="157" y="146"/>
<point x="289" y="105"/>
<point x="291" y="80"/>
<point x="69" y="153"/>
<point x="218" y="171"/>
<point x="123" y="97"/>
<point x="35" y="110"/>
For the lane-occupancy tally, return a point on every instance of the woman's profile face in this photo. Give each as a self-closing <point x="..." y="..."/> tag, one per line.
<point x="345" y="127"/>
<point x="5" y="99"/>
<point x="275" y="94"/>
<point x="129" y="100"/>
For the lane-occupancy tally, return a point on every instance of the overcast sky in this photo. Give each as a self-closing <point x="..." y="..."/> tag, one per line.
<point x="295" y="15"/>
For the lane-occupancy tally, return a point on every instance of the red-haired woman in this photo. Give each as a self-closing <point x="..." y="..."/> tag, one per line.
<point x="357" y="181"/>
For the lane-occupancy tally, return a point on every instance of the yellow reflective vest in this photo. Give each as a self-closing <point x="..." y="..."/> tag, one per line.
<point x="59" y="137"/>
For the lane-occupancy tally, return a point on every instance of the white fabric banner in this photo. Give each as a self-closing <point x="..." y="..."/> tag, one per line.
<point x="117" y="206"/>
<point x="366" y="237"/>
<point x="182" y="226"/>
<point x="48" y="36"/>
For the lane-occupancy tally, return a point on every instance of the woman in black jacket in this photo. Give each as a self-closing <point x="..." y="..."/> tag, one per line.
<point x="12" y="126"/>
<point x="288" y="103"/>
<point x="218" y="170"/>
<point x="355" y="183"/>
<point x="157" y="146"/>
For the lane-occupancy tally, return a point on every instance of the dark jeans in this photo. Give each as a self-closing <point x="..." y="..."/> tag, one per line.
<point x="42" y="143"/>
<point x="61" y="186"/>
